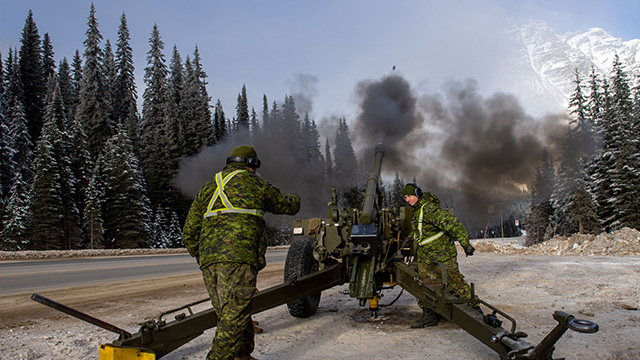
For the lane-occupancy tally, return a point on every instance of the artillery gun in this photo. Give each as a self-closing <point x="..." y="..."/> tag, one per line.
<point x="369" y="248"/>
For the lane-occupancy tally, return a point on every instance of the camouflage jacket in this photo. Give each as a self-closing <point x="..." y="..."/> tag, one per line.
<point x="234" y="237"/>
<point x="439" y="229"/>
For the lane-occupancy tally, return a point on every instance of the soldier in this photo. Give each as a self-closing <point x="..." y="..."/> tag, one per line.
<point x="435" y="230"/>
<point x="225" y="232"/>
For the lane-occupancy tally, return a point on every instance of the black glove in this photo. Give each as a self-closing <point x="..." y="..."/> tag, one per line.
<point x="468" y="250"/>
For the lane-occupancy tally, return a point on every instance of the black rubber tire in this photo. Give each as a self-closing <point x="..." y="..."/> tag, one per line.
<point x="300" y="262"/>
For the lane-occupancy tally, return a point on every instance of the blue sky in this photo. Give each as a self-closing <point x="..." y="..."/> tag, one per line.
<point x="319" y="48"/>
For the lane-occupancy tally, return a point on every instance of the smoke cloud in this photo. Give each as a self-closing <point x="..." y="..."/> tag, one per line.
<point x="486" y="148"/>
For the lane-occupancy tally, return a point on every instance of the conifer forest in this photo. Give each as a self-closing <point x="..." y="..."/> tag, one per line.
<point x="84" y="165"/>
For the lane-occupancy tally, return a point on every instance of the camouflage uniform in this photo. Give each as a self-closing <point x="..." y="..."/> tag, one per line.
<point x="230" y="247"/>
<point x="436" y="245"/>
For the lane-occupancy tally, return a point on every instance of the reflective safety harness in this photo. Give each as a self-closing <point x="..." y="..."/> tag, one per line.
<point x="430" y="239"/>
<point x="227" y="206"/>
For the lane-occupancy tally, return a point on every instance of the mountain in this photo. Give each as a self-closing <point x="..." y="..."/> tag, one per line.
<point x="542" y="63"/>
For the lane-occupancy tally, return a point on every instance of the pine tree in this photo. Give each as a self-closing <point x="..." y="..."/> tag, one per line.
<point x="32" y="76"/>
<point x="19" y="140"/>
<point x="625" y="174"/>
<point x="255" y="124"/>
<point x="66" y="89"/>
<point x="242" y="114"/>
<point x="160" y="152"/>
<point x="6" y="170"/>
<point x="275" y="121"/>
<point x="109" y="71"/>
<point x="174" y="231"/>
<point x="48" y="62"/>
<point x="578" y="149"/>
<point x="93" y="107"/>
<point x="45" y="226"/>
<point x="125" y="206"/>
<point x="195" y="115"/>
<point x="178" y="110"/>
<point x="14" y="232"/>
<point x="81" y="166"/>
<point x="265" y="113"/>
<point x="125" y="103"/>
<point x="541" y="207"/>
<point x="76" y="73"/>
<point x="328" y="162"/>
<point x="92" y="215"/>
<point x="13" y="88"/>
<point x="66" y="153"/>
<point x="397" y="199"/>
<point x="158" y="235"/>
<point x="204" y="109"/>
<point x="219" y="123"/>
<point x="312" y="166"/>
<point x="345" y="168"/>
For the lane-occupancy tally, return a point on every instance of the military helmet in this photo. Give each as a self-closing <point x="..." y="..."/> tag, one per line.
<point x="244" y="155"/>
<point x="412" y="189"/>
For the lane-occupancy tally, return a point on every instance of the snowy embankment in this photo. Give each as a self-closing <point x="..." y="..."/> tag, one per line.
<point x="618" y="243"/>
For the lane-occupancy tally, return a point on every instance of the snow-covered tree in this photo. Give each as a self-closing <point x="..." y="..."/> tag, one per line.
<point x="578" y="148"/>
<point x="196" y="117"/>
<point x="110" y="74"/>
<point x="93" y="108"/>
<point x="541" y="207"/>
<point x="67" y="89"/>
<point x="158" y="238"/>
<point x="620" y="146"/>
<point x="220" y="129"/>
<point x="92" y="215"/>
<point x="46" y="224"/>
<point x="125" y="206"/>
<point x="32" y="76"/>
<point x="125" y="109"/>
<point x="48" y="62"/>
<point x="160" y="152"/>
<point x="14" y="231"/>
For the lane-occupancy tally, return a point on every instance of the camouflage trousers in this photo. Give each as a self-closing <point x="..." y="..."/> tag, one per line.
<point x="231" y="288"/>
<point x="431" y="272"/>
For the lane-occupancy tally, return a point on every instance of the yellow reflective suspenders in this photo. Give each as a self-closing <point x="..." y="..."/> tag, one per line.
<point x="430" y="239"/>
<point x="227" y="206"/>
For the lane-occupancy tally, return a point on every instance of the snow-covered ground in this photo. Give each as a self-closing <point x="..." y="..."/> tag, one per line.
<point x="593" y="278"/>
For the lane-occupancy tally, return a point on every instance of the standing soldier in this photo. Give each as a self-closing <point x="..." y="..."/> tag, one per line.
<point x="225" y="232"/>
<point x="435" y="230"/>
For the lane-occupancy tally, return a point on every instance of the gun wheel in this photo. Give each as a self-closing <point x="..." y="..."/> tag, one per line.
<point x="300" y="262"/>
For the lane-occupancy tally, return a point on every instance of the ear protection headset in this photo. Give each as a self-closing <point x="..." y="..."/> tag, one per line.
<point x="418" y="191"/>
<point x="252" y="161"/>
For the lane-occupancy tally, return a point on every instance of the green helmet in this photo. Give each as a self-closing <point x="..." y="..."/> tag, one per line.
<point x="244" y="155"/>
<point x="412" y="189"/>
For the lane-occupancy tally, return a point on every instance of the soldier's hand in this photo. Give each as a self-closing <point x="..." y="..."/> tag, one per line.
<point x="468" y="250"/>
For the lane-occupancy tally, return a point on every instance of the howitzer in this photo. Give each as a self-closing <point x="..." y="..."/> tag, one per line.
<point x="369" y="248"/>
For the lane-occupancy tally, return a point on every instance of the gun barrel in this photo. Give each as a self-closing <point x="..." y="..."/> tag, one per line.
<point x="368" y="209"/>
<point x="80" y="315"/>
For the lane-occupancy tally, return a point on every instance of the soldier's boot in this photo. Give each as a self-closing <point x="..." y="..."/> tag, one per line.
<point x="256" y="329"/>
<point x="428" y="318"/>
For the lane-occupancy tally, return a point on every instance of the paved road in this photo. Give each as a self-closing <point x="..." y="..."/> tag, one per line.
<point x="37" y="275"/>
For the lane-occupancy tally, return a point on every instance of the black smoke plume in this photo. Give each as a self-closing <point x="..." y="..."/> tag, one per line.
<point x="486" y="149"/>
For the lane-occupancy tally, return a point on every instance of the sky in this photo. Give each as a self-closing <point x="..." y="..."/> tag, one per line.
<point x="316" y="51"/>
